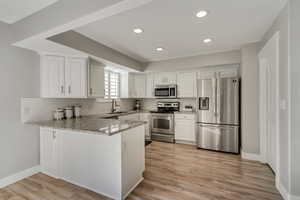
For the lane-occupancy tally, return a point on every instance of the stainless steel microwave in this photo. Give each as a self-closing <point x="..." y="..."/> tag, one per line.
<point x="165" y="91"/>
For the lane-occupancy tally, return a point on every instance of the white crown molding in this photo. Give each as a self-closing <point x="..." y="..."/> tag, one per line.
<point x="19" y="176"/>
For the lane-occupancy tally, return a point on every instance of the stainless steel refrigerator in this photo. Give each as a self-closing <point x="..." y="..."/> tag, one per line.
<point x="218" y="124"/>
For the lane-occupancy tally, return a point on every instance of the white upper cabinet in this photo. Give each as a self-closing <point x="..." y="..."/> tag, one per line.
<point x="165" y="78"/>
<point x="220" y="73"/>
<point x="52" y="76"/>
<point x="63" y="77"/>
<point x="76" y="77"/>
<point x="186" y="82"/>
<point x="96" y="80"/>
<point x="133" y="85"/>
<point x="150" y="85"/>
<point x="139" y="85"/>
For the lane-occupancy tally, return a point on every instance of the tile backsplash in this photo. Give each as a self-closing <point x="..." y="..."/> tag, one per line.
<point x="39" y="109"/>
<point x="150" y="104"/>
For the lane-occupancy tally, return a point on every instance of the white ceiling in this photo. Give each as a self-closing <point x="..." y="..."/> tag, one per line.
<point x="12" y="11"/>
<point x="172" y="24"/>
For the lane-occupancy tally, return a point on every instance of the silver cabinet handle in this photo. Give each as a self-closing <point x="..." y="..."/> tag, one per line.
<point x="62" y="89"/>
<point x="69" y="89"/>
<point x="54" y="135"/>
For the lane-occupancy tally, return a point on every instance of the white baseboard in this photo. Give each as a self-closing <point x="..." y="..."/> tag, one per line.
<point x="19" y="176"/>
<point x="185" y="142"/>
<point x="282" y="190"/>
<point x="251" y="156"/>
<point x="285" y="194"/>
<point x="128" y="193"/>
<point x="292" y="197"/>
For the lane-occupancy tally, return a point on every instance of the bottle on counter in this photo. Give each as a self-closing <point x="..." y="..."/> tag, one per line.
<point x="137" y="105"/>
<point x="77" y="111"/>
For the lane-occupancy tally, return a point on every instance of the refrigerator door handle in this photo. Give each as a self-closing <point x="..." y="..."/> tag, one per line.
<point x="216" y="97"/>
<point x="217" y="126"/>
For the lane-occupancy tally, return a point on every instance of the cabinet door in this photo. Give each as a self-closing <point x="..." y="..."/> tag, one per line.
<point x="185" y="130"/>
<point x="131" y="86"/>
<point x="165" y="78"/>
<point x="133" y="158"/>
<point x="76" y="77"/>
<point x="140" y="85"/>
<point x="96" y="80"/>
<point x="53" y="76"/>
<point x="149" y="85"/>
<point x="146" y="118"/>
<point x="186" y="82"/>
<point x="49" y="152"/>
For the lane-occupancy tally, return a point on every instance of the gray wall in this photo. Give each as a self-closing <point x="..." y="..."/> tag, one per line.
<point x="249" y="99"/>
<point x="19" y="77"/>
<point x="193" y="62"/>
<point x="295" y="95"/>
<point x="282" y="24"/>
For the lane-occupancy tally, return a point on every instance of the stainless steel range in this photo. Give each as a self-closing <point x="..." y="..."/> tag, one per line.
<point x="162" y="126"/>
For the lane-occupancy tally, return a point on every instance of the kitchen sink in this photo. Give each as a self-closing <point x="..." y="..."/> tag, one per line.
<point x="111" y="113"/>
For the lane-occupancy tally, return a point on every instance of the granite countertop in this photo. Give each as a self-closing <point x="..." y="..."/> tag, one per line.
<point x="91" y="124"/>
<point x="186" y="112"/>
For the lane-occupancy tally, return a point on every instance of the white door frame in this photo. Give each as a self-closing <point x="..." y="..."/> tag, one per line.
<point x="263" y="56"/>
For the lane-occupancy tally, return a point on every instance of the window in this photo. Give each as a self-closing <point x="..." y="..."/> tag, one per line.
<point x="112" y="84"/>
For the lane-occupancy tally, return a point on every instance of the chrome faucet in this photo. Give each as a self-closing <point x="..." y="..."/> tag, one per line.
<point x="113" y="105"/>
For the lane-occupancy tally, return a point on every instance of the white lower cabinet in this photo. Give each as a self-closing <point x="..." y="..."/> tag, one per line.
<point x="185" y="128"/>
<point x="109" y="165"/>
<point x="49" y="154"/>
<point x="146" y="117"/>
<point x="133" y="162"/>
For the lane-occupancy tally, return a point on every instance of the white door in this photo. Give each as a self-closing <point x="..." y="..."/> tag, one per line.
<point x="186" y="82"/>
<point x="269" y="106"/>
<point x="53" y="76"/>
<point x="76" y="77"/>
<point x="96" y="81"/>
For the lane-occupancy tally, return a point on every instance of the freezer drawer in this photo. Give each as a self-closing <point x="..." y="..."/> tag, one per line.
<point x="218" y="137"/>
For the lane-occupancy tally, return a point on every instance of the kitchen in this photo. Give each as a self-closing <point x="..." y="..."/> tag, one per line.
<point x="126" y="99"/>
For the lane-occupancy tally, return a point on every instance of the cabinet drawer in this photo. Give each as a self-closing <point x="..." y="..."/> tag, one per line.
<point x="185" y="116"/>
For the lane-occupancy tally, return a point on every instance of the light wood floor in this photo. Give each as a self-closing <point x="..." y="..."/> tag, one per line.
<point x="173" y="172"/>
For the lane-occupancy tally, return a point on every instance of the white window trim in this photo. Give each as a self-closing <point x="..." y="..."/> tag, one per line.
<point x="109" y="98"/>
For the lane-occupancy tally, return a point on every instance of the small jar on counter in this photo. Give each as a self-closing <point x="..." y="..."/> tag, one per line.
<point x="58" y="114"/>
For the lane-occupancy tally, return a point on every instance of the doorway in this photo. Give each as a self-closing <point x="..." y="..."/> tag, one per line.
<point x="269" y="103"/>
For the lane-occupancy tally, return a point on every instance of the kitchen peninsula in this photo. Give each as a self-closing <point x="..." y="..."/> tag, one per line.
<point x="106" y="156"/>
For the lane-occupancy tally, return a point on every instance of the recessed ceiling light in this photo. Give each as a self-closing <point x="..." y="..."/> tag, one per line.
<point x="202" y="13"/>
<point x="207" y="40"/>
<point x="159" y="49"/>
<point x="138" y="30"/>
